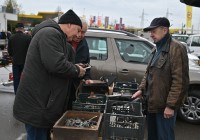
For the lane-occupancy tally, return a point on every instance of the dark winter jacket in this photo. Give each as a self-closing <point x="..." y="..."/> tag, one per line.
<point x="17" y="47"/>
<point x="166" y="81"/>
<point x="42" y="95"/>
<point x="83" y="56"/>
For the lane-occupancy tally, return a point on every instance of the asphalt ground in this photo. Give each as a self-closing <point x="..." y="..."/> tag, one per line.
<point x="11" y="129"/>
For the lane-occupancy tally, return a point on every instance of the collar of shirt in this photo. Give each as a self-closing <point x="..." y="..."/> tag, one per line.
<point x="75" y="45"/>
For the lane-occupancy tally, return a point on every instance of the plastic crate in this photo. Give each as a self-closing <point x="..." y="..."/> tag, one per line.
<point x="98" y="99"/>
<point x="84" y="103"/>
<point x="120" y="97"/>
<point x="91" y="107"/>
<point x="98" y="87"/>
<point x="123" y="121"/>
<point x="124" y="107"/>
<point x="130" y="87"/>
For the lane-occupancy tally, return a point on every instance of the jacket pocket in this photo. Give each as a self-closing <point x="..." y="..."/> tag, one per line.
<point x="51" y="100"/>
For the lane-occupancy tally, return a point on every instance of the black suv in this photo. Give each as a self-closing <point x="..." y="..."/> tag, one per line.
<point x="126" y="55"/>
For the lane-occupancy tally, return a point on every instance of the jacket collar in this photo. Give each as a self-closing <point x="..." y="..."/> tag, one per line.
<point x="164" y="44"/>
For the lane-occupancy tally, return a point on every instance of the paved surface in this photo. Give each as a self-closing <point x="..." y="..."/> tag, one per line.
<point x="11" y="129"/>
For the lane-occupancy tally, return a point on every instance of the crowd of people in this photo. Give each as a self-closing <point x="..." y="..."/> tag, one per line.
<point x="48" y="67"/>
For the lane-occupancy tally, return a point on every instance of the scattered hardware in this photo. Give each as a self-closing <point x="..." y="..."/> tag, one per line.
<point x="81" y="122"/>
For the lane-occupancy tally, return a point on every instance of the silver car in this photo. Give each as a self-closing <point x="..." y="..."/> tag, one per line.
<point x="194" y="44"/>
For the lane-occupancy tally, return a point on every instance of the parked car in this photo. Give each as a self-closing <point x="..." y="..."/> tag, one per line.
<point x="107" y="49"/>
<point x="191" y="56"/>
<point x="3" y="40"/>
<point x="6" y="80"/>
<point x="194" y="44"/>
<point x="180" y="37"/>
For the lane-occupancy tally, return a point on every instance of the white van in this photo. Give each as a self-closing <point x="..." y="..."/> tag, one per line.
<point x="194" y="44"/>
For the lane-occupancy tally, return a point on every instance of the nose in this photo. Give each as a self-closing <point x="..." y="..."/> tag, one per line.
<point x="79" y="34"/>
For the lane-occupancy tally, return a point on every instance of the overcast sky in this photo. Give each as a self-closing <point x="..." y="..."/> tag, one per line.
<point x="129" y="10"/>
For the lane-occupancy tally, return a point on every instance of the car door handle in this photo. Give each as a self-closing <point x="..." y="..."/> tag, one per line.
<point x="124" y="71"/>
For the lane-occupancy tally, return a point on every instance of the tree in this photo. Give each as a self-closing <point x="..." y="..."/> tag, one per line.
<point x="11" y="6"/>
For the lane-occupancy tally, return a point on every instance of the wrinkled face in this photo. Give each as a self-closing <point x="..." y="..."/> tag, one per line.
<point x="82" y="34"/>
<point x="71" y="30"/>
<point x="158" y="33"/>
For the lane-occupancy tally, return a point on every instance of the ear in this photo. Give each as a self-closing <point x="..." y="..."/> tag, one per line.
<point x="166" y="30"/>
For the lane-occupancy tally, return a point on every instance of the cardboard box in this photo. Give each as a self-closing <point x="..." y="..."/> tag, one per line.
<point x="62" y="132"/>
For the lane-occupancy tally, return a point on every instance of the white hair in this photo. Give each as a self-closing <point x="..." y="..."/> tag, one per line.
<point x="84" y="22"/>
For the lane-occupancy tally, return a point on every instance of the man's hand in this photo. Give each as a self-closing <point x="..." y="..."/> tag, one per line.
<point x="137" y="94"/>
<point x="89" y="81"/>
<point x="168" y="113"/>
<point x="82" y="71"/>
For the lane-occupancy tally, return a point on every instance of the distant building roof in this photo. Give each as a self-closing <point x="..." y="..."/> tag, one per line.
<point x="47" y="15"/>
<point x="29" y="16"/>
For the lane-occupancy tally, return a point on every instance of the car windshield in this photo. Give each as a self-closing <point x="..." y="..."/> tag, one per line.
<point x="181" y="38"/>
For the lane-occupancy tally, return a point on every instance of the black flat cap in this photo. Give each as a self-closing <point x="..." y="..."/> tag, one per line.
<point x="19" y="25"/>
<point x="156" y="22"/>
<point x="70" y="18"/>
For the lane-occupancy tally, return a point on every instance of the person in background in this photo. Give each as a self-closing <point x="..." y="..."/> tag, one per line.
<point x="166" y="81"/>
<point x="82" y="57"/>
<point x="18" y="45"/>
<point x="43" y="93"/>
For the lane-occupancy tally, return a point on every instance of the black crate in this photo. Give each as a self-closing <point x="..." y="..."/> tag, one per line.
<point x="91" y="107"/>
<point x="98" y="87"/>
<point x="91" y="104"/>
<point x="130" y="87"/>
<point x="123" y="127"/>
<point x="87" y="98"/>
<point x="120" y="97"/>
<point x="123" y="120"/>
<point x="124" y="107"/>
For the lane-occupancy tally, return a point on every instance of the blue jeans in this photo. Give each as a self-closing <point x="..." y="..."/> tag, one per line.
<point x="17" y="70"/>
<point x="160" y="128"/>
<point x="34" y="133"/>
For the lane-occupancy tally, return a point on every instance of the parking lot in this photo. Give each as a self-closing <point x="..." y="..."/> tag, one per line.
<point x="11" y="129"/>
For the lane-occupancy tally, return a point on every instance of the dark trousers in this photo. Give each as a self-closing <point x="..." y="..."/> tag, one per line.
<point x="17" y="70"/>
<point x="34" y="133"/>
<point x="72" y="98"/>
<point x="160" y="128"/>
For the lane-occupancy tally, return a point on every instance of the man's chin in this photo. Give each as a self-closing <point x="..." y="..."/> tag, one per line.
<point x="77" y="40"/>
<point x="69" y="39"/>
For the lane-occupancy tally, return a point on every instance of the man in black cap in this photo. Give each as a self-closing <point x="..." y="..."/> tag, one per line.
<point x="166" y="81"/>
<point x="43" y="93"/>
<point x="17" y="48"/>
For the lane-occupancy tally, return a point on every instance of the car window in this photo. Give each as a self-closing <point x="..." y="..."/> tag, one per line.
<point x="133" y="51"/>
<point x="98" y="48"/>
<point x="196" y="41"/>
<point x="180" y="38"/>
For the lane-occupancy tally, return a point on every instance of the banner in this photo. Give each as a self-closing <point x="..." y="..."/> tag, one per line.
<point x="106" y="22"/>
<point x="99" y="21"/>
<point x="188" y="16"/>
<point x="92" y="20"/>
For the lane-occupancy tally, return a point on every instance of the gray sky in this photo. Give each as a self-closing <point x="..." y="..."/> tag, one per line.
<point x="129" y="10"/>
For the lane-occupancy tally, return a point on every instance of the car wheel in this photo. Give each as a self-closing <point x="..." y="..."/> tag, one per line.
<point x="190" y="110"/>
